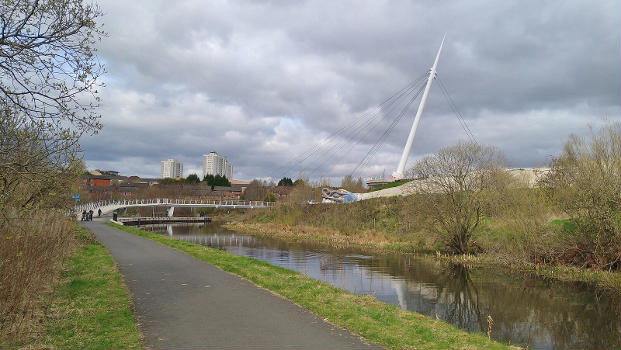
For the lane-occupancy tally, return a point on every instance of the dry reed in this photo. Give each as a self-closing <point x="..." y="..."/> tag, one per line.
<point x="32" y="250"/>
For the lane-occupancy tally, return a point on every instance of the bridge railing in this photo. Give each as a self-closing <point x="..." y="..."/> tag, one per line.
<point x="171" y="202"/>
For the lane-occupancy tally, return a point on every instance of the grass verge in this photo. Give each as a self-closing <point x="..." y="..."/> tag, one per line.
<point x="376" y="321"/>
<point x="91" y="306"/>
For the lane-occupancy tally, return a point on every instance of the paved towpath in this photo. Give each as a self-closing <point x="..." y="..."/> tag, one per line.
<point x="183" y="303"/>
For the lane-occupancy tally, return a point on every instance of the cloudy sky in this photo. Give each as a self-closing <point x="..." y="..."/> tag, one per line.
<point x="264" y="82"/>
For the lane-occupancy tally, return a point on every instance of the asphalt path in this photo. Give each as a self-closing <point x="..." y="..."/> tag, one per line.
<point x="184" y="303"/>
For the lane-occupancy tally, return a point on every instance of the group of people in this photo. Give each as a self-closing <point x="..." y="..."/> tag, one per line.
<point x="88" y="215"/>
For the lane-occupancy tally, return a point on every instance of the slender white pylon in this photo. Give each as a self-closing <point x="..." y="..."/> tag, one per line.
<point x="408" y="145"/>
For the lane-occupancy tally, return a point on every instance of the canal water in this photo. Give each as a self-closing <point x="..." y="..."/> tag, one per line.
<point x="531" y="312"/>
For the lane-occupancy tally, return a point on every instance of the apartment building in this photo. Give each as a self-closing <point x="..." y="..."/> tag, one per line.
<point x="171" y="168"/>
<point x="215" y="164"/>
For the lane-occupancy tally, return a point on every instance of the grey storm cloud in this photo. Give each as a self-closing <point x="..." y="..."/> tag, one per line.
<point x="264" y="81"/>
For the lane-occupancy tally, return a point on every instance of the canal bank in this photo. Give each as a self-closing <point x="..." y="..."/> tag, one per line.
<point x="532" y="312"/>
<point x="373" y="243"/>
<point x="376" y="321"/>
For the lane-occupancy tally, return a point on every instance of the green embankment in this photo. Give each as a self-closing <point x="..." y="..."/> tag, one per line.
<point x="91" y="306"/>
<point x="521" y="234"/>
<point x="390" y="185"/>
<point x="376" y="321"/>
<point x="378" y="244"/>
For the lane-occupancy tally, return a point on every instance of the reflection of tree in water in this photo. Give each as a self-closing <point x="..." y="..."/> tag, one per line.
<point x="553" y="314"/>
<point x="526" y="311"/>
<point x="462" y="299"/>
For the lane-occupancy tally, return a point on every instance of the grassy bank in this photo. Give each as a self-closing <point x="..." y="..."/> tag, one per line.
<point x="521" y="230"/>
<point x="377" y="242"/>
<point x="91" y="308"/>
<point x="374" y="320"/>
<point x="86" y="307"/>
<point x="373" y="241"/>
<point x="603" y="280"/>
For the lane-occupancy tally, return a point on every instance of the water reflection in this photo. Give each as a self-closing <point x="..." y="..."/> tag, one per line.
<point x="531" y="312"/>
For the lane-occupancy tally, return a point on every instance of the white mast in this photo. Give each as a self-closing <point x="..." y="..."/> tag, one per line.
<point x="408" y="145"/>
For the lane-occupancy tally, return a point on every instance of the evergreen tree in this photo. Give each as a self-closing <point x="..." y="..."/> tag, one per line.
<point x="217" y="180"/>
<point x="192" y="179"/>
<point x="285" y="181"/>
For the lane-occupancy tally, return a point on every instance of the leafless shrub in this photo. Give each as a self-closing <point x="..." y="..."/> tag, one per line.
<point x="490" y="325"/>
<point x="519" y="224"/>
<point x="585" y="181"/>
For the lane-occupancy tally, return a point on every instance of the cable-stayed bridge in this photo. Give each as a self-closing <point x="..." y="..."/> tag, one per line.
<point x="110" y="206"/>
<point x="370" y="127"/>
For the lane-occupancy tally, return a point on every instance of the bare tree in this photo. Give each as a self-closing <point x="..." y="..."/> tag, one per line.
<point x="257" y="190"/>
<point x="352" y="185"/>
<point x="456" y="180"/>
<point x="48" y="68"/>
<point x="48" y="96"/>
<point x="304" y="192"/>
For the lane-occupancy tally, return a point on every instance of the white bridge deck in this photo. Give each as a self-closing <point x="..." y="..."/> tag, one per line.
<point x="109" y="206"/>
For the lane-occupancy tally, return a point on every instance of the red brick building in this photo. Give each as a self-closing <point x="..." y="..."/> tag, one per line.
<point x="99" y="181"/>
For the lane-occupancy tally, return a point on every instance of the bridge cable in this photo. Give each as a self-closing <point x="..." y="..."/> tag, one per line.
<point x="380" y="143"/>
<point x="361" y="136"/>
<point x="460" y="117"/>
<point x="454" y="108"/>
<point x="359" y="121"/>
<point x="387" y="132"/>
<point x="359" y="124"/>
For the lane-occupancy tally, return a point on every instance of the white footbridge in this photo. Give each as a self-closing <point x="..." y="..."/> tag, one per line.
<point x="110" y="206"/>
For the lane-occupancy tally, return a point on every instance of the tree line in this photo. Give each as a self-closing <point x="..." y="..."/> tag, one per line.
<point x="193" y="179"/>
